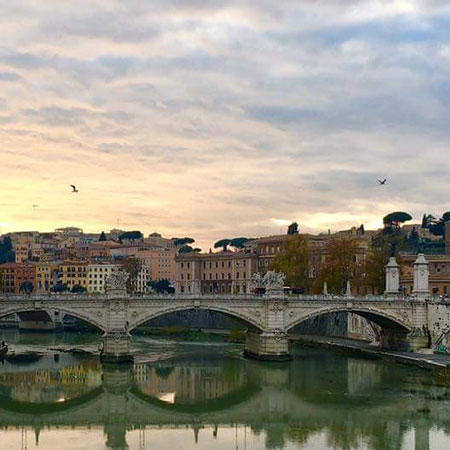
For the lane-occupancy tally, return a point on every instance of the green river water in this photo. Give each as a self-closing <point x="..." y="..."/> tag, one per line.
<point x="207" y="396"/>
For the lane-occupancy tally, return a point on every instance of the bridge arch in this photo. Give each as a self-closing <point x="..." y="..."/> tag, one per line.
<point x="77" y="313"/>
<point x="253" y="322"/>
<point x="384" y="319"/>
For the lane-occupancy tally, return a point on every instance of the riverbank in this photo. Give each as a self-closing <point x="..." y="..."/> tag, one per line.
<point x="193" y="335"/>
<point x="350" y="346"/>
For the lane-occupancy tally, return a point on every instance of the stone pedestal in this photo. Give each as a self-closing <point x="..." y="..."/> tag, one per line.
<point x="418" y="339"/>
<point x="267" y="346"/>
<point x="392" y="278"/>
<point x="116" y="347"/>
<point x="394" y="340"/>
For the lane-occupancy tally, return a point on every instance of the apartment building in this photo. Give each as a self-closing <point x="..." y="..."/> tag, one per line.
<point x="46" y="276"/>
<point x="74" y="273"/>
<point x="222" y="272"/>
<point x="13" y="275"/>
<point x="97" y="275"/>
<point x="160" y="261"/>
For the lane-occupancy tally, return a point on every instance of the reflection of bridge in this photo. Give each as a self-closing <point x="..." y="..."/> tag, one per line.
<point x="415" y="321"/>
<point x="266" y="398"/>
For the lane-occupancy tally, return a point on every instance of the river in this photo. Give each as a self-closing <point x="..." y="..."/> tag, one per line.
<point x="202" y="396"/>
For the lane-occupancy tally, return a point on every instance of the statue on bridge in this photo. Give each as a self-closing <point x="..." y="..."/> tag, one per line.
<point x="117" y="281"/>
<point x="270" y="281"/>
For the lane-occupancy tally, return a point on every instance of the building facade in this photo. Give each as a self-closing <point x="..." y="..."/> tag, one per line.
<point x="222" y="272"/>
<point x="14" y="275"/>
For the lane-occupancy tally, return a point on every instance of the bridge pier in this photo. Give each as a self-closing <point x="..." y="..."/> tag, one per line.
<point x="269" y="346"/>
<point x="397" y="340"/>
<point x="116" y="347"/>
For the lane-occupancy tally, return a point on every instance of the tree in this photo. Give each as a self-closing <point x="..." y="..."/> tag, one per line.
<point x="293" y="261"/>
<point x="60" y="287"/>
<point x="162" y="286"/>
<point x="292" y="228"/>
<point x="180" y="242"/>
<point x="339" y="267"/>
<point x="131" y="236"/>
<point x="6" y="250"/>
<point x="102" y="237"/>
<point x="26" y="287"/>
<point x="224" y="243"/>
<point x="78" y="289"/>
<point x="424" y="221"/>
<point x="396" y="218"/>
<point x="374" y="270"/>
<point x="132" y="266"/>
<point x="239" y="242"/>
<point x="189" y="249"/>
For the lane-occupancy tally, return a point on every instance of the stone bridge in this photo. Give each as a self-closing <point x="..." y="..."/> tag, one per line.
<point x="416" y="322"/>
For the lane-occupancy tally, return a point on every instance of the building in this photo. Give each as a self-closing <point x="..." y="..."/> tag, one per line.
<point x="46" y="276"/>
<point x="74" y="273"/>
<point x="447" y="238"/>
<point x="222" y="272"/>
<point x="13" y="275"/>
<point x="439" y="267"/>
<point x="97" y="275"/>
<point x="160" y="261"/>
<point x="267" y="248"/>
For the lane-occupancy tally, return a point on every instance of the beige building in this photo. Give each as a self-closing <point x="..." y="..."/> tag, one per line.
<point x="160" y="261"/>
<point x="97" y="275"/>
<point x="222" y="272"/>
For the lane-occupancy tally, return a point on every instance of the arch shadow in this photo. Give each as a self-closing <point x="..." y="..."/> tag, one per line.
<point x="77" y="314"/>
<point x="251" y="323"/>
<point x="381" y="318"/>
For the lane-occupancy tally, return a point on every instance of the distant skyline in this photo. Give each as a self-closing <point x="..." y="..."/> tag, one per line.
<point x="201" y="118"/>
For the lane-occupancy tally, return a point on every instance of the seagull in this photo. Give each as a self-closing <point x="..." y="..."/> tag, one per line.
<point x="74" y="189"/>
<point x="382" y="182"/>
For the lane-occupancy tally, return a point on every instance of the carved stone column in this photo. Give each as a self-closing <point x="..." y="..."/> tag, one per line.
<point x="117" y="339"/>
<point x="392" y="278"/>
<point x="272" y="343"/>
<point x="421" y="274"/>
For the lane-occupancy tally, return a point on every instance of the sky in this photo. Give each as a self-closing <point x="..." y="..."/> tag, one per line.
<point x="217" y="119"/>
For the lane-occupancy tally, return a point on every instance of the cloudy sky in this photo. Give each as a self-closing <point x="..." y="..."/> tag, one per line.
<point x="222" y="118"/>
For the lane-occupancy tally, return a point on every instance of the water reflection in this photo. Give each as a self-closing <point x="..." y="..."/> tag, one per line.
<point x="319" y="401"/>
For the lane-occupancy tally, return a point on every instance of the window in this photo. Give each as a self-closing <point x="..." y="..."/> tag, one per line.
<point x="237" y="275"/>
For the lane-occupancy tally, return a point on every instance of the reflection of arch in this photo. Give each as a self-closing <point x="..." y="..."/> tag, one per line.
<point x="253" y="321"/>
<point x="19" y="407"/>
<point x="78" y="314"/>
<point x="382" y="318"/>
<point x="22" y="359"/>
<point x="227" y="401"/>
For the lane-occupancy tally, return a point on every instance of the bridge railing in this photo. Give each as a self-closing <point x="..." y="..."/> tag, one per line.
<point x="190" y="296"/>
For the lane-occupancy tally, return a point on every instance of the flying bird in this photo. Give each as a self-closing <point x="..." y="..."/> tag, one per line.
<point x="35" y="206"/>
<point x="74" y="189"/>
<point x="382" y="182"/>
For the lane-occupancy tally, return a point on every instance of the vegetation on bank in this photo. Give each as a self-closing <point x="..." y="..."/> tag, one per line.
<point x="189" y="334"/>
